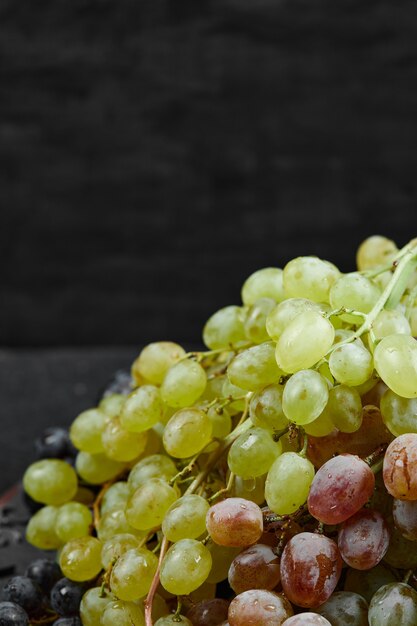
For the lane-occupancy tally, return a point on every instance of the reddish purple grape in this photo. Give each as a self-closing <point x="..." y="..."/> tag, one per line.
<point x="256" y="567"/>
<point x="340" y="488"/>
<point x="364" y="539"/>
<point x="405" y="518"/>
<point x="310" y="569"/>
<point x="209" y="612"/>
<point x="259" y="607"/>
<point x="307" y="619"/>
<point x="400" y="467"/>
<point x="235" y="522"/>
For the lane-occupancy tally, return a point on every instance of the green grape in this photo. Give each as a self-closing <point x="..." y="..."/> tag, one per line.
<point x="401" y="552"/>
<point x="183" y="384"/>
<point x="354" y="291"/>
<point x="265" y="408"/>
<point x="392" y="605"/>
<point x="321" y="426"/>
<point x="120" y="444"/>
<point x="50" y="481"/>
<point x="399" y="414"/>
<point x="390" y="322"/>
<point x="253" y="453"/>
<point x="288" y="483"/>
<point x="252" y="489"/>
<point x="344" y="408"/>
<point x="367" y="582"/>
<point x="351" y="363"/>
<point x="187" y="432"/>
<point x="73" y="520"/>
<point x="172" y="620"/>
<point x="147" y="506"/>
<point x="115" y="497"/>
<point x="221" y="422"/>
<point x="264" y="283"/>
<point x="154" y="466"/>
<point x="374" y="251"/>
<point x="86" y="429"/>
<point x="305" y="396"/>
<point x="155" y="360"/>
<point x="115" y="546"/>
<point x="309" y="277"/>
<point x="132" y="574"/>
<point x="413" y="321"/>
<point x="185" y="567"/>
<point x="305" y="341"/>
<point x="285" y="312"/>
<point x="186" y="518"/>
<point x="396" y="362"/>
<point x="40" y="531"/>
<point x="121" y="613"/>
<point x="255" y="321"/>
<point x="112" y="404"/>
<point x="214" y="387"/>
<point x="232" y="391"/>
<point x="80" y="559"/>
<point x="142" y="409"/>
<point x="255" y="367"/>
<point x="97" y="468"/>
<point x="221" y="558"/>
<point x="92" y="605"/>
<point x="114" y="523"/>
<point x="225" y="329"/>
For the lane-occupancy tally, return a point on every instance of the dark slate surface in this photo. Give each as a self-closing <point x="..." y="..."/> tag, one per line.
<point x="154" y="153"/>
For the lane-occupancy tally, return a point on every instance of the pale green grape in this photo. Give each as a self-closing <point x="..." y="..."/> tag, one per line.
<point x="73" y="520"/>
<point x="255" y="321"/>
<point x="255" y="367"/>
<point x="285" y="312"/>
<point x="252" y="489"/>
<point x="92" y="605"/>
<point x="288" y="483"/>
<point x="265" y="408"/>
<point x="221" y="557"/>
<point x="80" y="559"/>
<point x="147" y="506"/>
<point x="351" y="363"/>
<point x="393" y="604"/>
<point x="86" y="430"/>
<point x="232" y="391"/>
<point x="115" y="523"/>
<point x="390" y="322"/>
<point x="121" y="613"/>
<point x="171" y="620"/>
<point x="399" y="414"/>
<point x="117" y="545"/>
<point x="375" y="250"/>
<point x="321" y="426"/>
<point x="40" y="531"/>
<point x="354" y="291"/>
<point x="309" y="277"/>
<point x="214" y="387"/>
<point x="121" y="445"/>
<point x="132" y="574"/>
<point x="395" y="360"/>
<point x="367" y="582"/>
<point x="112" y="404"/>
<point x="142" y="409"/>
<point x="253" y="453"/>
<point x="115" y="497"/>
<point x="304" y="342"/>
<point x="344" y="408"/>
<point x="413" y="321"/>
<point x="154" y="466"/>
<point x="183" y="384"/>
<point x="50" y="481"/>
<point x="401" y="553"/>
<point x="305" y="395"/>
<point x="225" y="329"/>
<point x="155" y="360"/>
<point x="185" y="567"/>
<point x="97" y="468"/>
<point x="221" y="422"/>
<point x="187" y="432"/>
<point x="264" y="283"/>
<point x="186" y="518"/>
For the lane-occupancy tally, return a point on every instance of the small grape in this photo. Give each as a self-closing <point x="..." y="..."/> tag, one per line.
<point x="344" y="408"/>
<point x="147" y="506"/>
<point x="344" y="607"/>
<point x="395" y="360"/>
<point x="11" y="614"/>
<point x="259" y="607"/>
<point x="187" y="432"/>
<point x="86" y="430"/>
<point x="390" y="322"/>
<point x="66" y="597"/>
<point x="40" y="531"/>
<point x="405" y="518"/>
<point x="288" y="483"/>
<point x="354" y="291"/>
<point x="285" y="312"/>
<point x="80" y="559"/>
<point x="265" y="408"/>
<point x="23" y="591"/>
<point x="401" y="552"/>
<point x="172" y="620"/>
<point x="309" y="277"/>
<point x="121" y="445"/>
<point x="351" y="363"/>
<point x="185" y="567"/>
<point x="115" y="497"/>
<point x="399" y="414"/>
<point x="255" y="367"/>
<point x="375" y="250"/>
<point x="132" y="574"/>
<point x="186" y="518"/>
<point x="225" y="329"/>
<point x="363" y="539"/>
<point x="235" y="522"/>
<point x="115" y="523"/>
<point x="367" y="582"/>
<point x="222" y="557"/>
<point x="92" y="605"/>
<point x="305" y="396"/>
<point x="50" y="481"/>
<point x="120" y="613"/>
<point x="97" y="468"/>
<point x="115" y="546"/>
<point x="112" y="404"/>
<point x="307" y="619"/>
<point x="72" y="520"/>
<point x="155" y="360"/>
<point x="393" y="604"/>
<point x="264" y="283"/>
<point x="256" y="567"/>
<point x="142" y="409"/>
<point x="154" y="466"/>
<point x="43" y="572"/>
<point x="400" y="467"/>
<point x="255" y="321"/>
<point x="183" y="384"/>
<point x="252" y="453"/>
<point x="208" y="612"/>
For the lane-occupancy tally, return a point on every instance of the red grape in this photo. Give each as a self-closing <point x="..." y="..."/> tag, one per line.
<point x="405" y="518"/>
<point x="259" y="607"/>
<point x="209" y="612"/>
<point x="235" y="522"/>
<point x="364" y="539"/>
<point x="256" y="567"/>
<point x="400" y="467"/>
<point x="307" y="619"/>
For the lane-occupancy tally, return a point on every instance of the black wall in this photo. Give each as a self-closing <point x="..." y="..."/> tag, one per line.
<point x="153" y="154"/>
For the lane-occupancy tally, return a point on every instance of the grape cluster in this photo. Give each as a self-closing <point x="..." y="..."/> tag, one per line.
<point x="269" y="480"/>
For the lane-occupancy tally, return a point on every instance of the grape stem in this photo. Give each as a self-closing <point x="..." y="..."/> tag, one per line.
<point x="225" y="490"/>
<point x="155" y="582"/>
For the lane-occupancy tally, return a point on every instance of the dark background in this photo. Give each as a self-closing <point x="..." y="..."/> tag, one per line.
<point x="153" y="154"/>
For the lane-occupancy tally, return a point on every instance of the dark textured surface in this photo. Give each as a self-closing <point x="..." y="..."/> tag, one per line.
<point x="152" y="154"/>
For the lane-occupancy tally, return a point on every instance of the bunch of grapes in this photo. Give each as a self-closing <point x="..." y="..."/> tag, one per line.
<point x="270" y="480"/>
